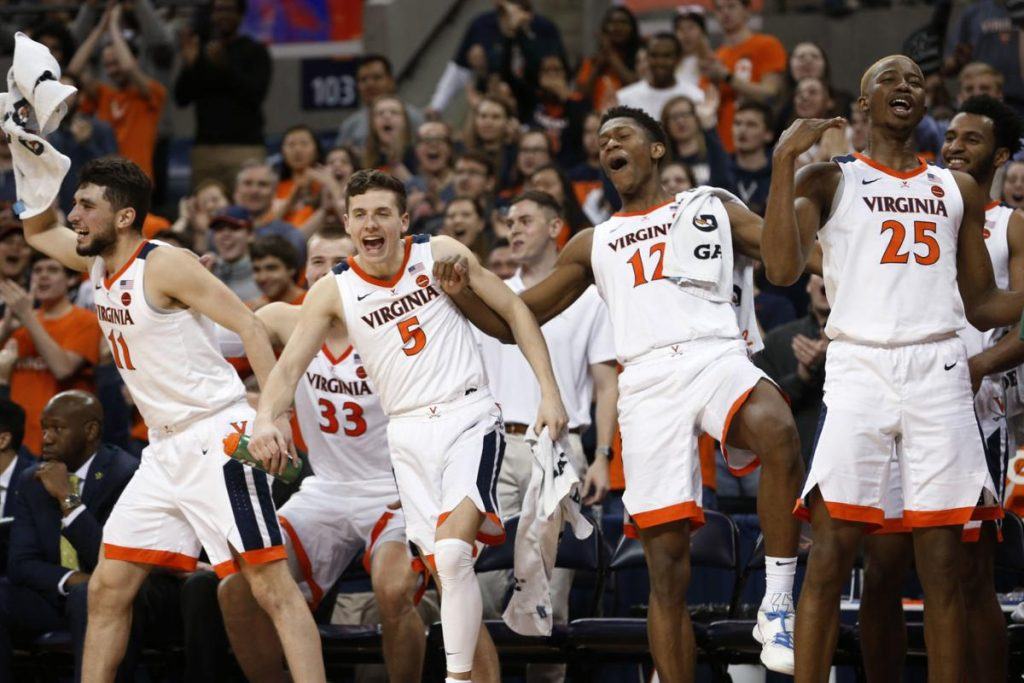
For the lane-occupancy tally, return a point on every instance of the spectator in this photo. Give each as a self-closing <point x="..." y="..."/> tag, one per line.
<point x="255" y="187"/>
<point x="13" y="461"/>
<point x="489" y="133"/>
<point x="500" y="261"/>
<point x="182" y="240"/>
<point x="691" y="30"/>
<point x="695" y="142"/>
<point x="586" y="175"/>
<point x="554" y="109"/>
<point x="373" y="79"/>
<point x="534" y="151"/>
<point x="676" y="177"/>
<point x="389" y="145"/>
<point x="226" y="76"/>
<point x="978" y="78"/>
<point x="652" y="94"/>
<point x="133" y="102"/>
<point x="750" y="164"/>
<point x="858" y="130"/>
<point x="58" y="344"/>
<point x="813" y="99"/>
<point x="986" y="33"/>
<point x="512" y="28"/>
<point x="57" y="38"/>
<point x="794" y="356"/>
<point x="15" y="253"/>
<point x="341" y="162"/>
<point x="434" y="185"/>
<point x="232" y="230"/>
<point x="275" y="268"/>
<point x="81" y="137"/>
<point x="1013" y="185"/>
<point x="748" y="65"/>
<point x="808" y="60"/>
<point x="474" y="176"/>
<point x="551" y="179"/>
<point x="60" y="508"/>
<point x="298" y="191"/>
<point x="194" y="213"/>
<point x="613" y="65"/>
<point x="466" y="221"/>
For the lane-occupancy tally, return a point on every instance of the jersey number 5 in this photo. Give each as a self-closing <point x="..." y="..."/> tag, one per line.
<point x="353" y="416"/>
<point x="412" y="332"/>
<point x="657" y="251"/>
<point x="922" y="230"/>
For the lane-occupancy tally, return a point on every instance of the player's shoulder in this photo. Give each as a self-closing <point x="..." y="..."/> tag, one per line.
<point x="279" y="318"/>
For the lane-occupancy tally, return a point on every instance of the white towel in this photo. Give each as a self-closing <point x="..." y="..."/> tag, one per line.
<point x="743" y="302"/>
<point x="552" y="499"/>
<point x="37" y="75"/>
<point x="698" y="256"/>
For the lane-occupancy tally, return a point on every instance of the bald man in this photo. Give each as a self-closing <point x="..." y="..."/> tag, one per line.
<point x="60" y="507"/>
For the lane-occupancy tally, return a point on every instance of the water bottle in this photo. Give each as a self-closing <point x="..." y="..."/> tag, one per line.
<point x="236" y="445"/>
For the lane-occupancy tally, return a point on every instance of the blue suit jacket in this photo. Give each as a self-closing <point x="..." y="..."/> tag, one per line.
<point x="34" y="551"/>
<point x="22" y="462"/>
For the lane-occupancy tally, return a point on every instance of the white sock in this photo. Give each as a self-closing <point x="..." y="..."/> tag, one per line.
<point x="779" y="573"/>
<point x="461" y="603"/>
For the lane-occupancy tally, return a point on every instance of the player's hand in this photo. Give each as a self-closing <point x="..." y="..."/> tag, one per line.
<point x="452" y="273"/>
<point x="270" y="444"/>
<point x="977" y="373"/>
<point x="53" y="475"/>
<point x="551" y="415"/>
<point x="810" y="352"/>
<point x="802" y="134"/>
<point x="596" y="482"/>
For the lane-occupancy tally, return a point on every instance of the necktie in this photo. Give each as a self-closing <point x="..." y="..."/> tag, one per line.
<point x="68" y="555"/>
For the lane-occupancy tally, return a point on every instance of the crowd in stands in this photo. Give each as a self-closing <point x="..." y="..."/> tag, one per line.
<point x="532" y="124"/>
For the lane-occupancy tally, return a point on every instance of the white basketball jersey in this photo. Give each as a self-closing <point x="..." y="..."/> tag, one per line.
<point x="417" y="347"/>
<point x="647" y="311"/>
<point x="997" y="218"/>
<point x="890" y="250"/>
<point x="342" y="422"/>
<point x="169" y="360"/>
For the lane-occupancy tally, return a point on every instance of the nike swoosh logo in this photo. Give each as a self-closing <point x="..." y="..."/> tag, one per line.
<point x="98" y="286"/>
<point x="868" y="182"/>
<point x="784" y="564"/>
<point x="360" y="298"/>
<point x="951" y="366"/>
<point x="205" y="450"/>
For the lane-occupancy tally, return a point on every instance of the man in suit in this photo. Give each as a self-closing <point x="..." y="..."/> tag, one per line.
<point x="60" y="506"/>
<point x="13" y="461"/>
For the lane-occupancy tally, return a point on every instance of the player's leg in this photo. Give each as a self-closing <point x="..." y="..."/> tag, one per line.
<point x="275" y="591"/>
<point x="394" y="584"/>
<point x="828" y="569"/>
<point x="112" y="590"/>
<point x="986" y="624"/>
<point x="669" y="630"/>
<point x="883" y="632"/>
<point x="251" y="632"/>
<point x="938" y="553"/>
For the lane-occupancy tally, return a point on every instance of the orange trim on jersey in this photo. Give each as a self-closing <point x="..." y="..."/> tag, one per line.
<point x="847" y="512"/>
<point x="992" y="204"/>
<point x="953" y="516"/>
<point x="377" y="281"/>
<point x="162" y="558"/>
<point x="378" y="529"/>
<point x="972" y="535"/>
<point x="226" y="568"/>
<point x="902" y="175"/>
<point x="305" y="566"/>
<point x="330" y="356"/>
<point x="258" y="556"/>
<point x="627" y="214"/>
<point x="629" y="530"/>
<point x="736" y="405"/>
<point x="486" y="539"/>
<point x="892" y="525"/>
<point x="987" y="513"/>
<point x="420" y="567"/>
<point x="671" y="513"/>
<point x="109" y="281"/>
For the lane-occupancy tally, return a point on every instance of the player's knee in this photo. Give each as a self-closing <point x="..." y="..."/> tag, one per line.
<point x="105" y="593"/>
<point x="454" y="561"/>
<point x="393" y="596"/>
<point x="778" y="441"/>
<point x="879" y="577"/>
<point x="230" y="592"/>
<point x="268" y="588"/>
<point x="826" y="567"/>
<point x="669" y="572"/>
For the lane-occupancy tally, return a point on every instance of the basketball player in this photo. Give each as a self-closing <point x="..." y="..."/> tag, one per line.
<point x="156" y="305"/>
<point x="902" y="244"/>
<point x="686" y="371"/>
<point x="583" y="357"/>
<point x="343" y="508"/>
<point x="419" y="351"/>
<point x="980" y="139"/>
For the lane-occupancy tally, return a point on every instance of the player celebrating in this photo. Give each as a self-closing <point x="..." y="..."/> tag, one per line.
<point x="342" y="508"/>
<point x="899" y="238"/>
<point x="155" y="304"/>
<point x="686" y="371"/>
<point x="444" y="429"/>
<point x="980" y="139"/>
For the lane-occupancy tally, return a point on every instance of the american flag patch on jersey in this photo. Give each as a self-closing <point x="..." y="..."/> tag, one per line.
<point x="357" y="359"/>
<point x="416" y="268"/>
<point x="126" y="284"/>
<point x="932" y="177"/>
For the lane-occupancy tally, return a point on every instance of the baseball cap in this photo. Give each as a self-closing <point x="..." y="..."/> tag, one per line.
<point x="235" y="216"/>
<point x="694" y="13"/>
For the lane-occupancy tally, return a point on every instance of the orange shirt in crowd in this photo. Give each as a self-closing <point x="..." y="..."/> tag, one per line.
<point x="301" y="210"/>
<point x="154" y="224"/>
<point x="605" y="86"/>
<point x="751" y="60"/>
<point x="32" y="383"/>
<point x="133" y="116"/>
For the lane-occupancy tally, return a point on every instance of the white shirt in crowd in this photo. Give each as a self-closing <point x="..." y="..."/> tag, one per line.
<point x="578" y="337"/>
<point x="688" y="71"/>
<point x="5" y="480"/>
<point x="652" y="100"/>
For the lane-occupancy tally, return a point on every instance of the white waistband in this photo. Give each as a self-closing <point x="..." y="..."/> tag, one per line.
<point x="178" y="427"/>
<point x="685" y="348"/>
<point x="437" y="409"/>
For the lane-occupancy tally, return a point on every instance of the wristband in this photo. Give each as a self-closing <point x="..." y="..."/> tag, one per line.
<point x="603" y="450"/>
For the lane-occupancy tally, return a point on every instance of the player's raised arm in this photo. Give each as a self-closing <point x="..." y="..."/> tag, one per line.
<point x="548" y="298"/>
<point x="321" y="307"/>
<point x="985" y="305"/>
<point x="498" y="297"/>
<point x="45" y="233"/>
<point x="795" y="202"/>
